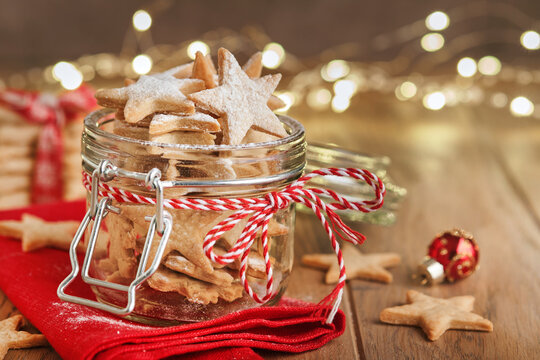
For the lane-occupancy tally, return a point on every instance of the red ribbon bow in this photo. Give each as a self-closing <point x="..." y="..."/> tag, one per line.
<point x="261" y="210"/>
<point x="52" y="112"/>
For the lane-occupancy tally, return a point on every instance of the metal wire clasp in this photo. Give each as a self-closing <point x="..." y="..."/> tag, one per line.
<point x="160" y="222"/>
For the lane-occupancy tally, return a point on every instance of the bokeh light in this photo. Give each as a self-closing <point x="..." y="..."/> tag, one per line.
<point x="434" y="101"/>
<point x="437" y="21"/>
<point x="142" y="20"/>
<point x="466" y="67"/>
<point x="319" y="98"/>
<point x="489" y="65"/>
<point x="345" y="88"/>
<point x="273" y="55"/>
<point x="530" y="40"/>
<point x="334" y="70"/>
<point x="499" y="100"/>
<point x="340" y="103"/>
<point x="521" y="106"/>
<point x="142" y="64"/>
<point x="68" y="75"/>
<point x="197" y="46"/>
<point x="406" y="90"/>
<point x="432" y="42"/>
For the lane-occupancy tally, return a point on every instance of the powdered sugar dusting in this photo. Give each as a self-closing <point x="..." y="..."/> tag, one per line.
<point x="78" y="316"/>
<point x="162" y="119"/>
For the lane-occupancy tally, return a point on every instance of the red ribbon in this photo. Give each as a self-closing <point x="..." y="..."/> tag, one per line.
<point x="52" y="112"/>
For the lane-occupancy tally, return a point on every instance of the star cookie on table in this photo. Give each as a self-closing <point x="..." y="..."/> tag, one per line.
<point x="435" y="316"/>
<point x="357" y="265"/>
<point x="12" y="338"/>
<point x="36" y="233"/>
<point x="151" y="93"/>
<point x="240" y="101"/>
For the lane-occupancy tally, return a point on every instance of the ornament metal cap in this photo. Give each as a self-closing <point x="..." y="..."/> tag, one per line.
<point x="430" y="271"/>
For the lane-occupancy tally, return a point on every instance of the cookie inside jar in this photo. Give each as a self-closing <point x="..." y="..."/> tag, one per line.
<point x="212" y="134"/>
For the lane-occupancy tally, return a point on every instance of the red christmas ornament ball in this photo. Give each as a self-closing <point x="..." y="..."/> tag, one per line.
<point x="452" y="254"/>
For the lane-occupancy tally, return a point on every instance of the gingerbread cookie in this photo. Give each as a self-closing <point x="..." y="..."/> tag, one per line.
<point x="357" y="265"/>
<point x="36" y="233"/>
<point x="12" y="338"/>
<point x="150" y="94"/>
<point x="195" y="291"/>
<point x="435" y="316"/>
<point x="240" y="101"/>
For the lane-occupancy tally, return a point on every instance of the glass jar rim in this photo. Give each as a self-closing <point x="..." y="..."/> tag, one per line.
<point x="91" y="122"/>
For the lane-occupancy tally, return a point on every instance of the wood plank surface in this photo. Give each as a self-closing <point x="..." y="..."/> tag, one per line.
<point x="477" y="169"/>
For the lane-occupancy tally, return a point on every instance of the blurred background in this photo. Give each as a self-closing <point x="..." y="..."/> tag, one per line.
<point x="378" y="69"/>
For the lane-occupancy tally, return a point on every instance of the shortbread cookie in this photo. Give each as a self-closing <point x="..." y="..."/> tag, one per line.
<point x="240" y="101"/>
<point x="10" y="184"/>
<point x="197" y="122"/>
<point x="36" y="233"/>
<point x="150" y="94"/>
<point x="256" y="264"/>
<point x="177" y="262"/>
<point x="21" y="166"/>
<point x="231" y="237"/>
<point x="217" y="168"/>
<point x="122" y="244"/>
<point x="19" y="135"/>
<point x="435" y="315"/>
<point x="12" y="338"/>
<point x="253" y="67"/>
<point x="187" y="235"/>
<point x="124" y="129"/>
<point x="15" y="151"/>
<point x="194" y="290"/>
<point x="15" y="200"/>
<point x="180" y="137"/>
<point x="357" y="265"/>
<point x="181" y="71"/>
<point x="204" y="69"/>
<point x="275" y="103"/>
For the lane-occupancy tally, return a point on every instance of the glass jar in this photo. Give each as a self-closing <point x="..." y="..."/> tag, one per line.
<point x="187" y="286"/>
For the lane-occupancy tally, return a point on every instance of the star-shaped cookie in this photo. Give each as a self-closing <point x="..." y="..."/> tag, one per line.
<point x="435" y="316"/>
<point x="36" y="233"/>
<point x="161" y="92"/>
<point x="253" y="69"/>
<point x="188" y="231"/>
<point x="204" y="69"/>
<point x="11" y="338"/>
<point x="240" y="101"/>
<point x="357" y="265"/>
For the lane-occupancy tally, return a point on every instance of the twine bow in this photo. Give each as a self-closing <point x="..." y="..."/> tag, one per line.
<point x="260" y="210"/>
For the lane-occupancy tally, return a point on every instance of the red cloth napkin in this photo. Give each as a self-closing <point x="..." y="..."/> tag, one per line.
<point x="30" y="281"/>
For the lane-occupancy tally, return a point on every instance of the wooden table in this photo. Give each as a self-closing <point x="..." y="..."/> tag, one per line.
<point x="477" y="169"/>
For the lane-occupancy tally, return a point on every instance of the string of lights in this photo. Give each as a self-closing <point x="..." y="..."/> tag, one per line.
<point x="334" y="84"/>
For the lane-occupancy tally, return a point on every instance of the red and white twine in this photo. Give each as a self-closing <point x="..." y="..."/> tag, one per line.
<point x="261" y="209"/>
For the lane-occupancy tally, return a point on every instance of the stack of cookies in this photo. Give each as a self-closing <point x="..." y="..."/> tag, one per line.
<point x="193" y="104"/>
<point x="18" y="141"/>
<point x="17" y="146"/>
